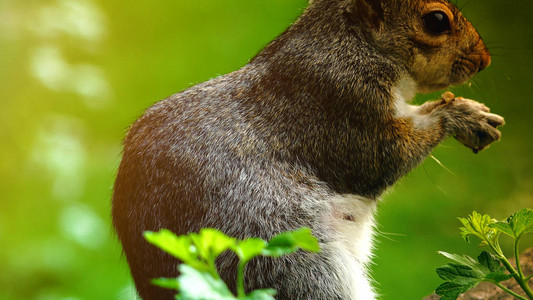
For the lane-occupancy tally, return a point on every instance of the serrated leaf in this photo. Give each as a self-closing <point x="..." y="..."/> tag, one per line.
<point x="249" y="248"/>
<point x="460" y="259"/>
<point x="167" y="283"/>
<point x="201" y="285"/>
<point x="289" y="242"/>
<point x="459" y="274"/>
<point x="267" y="294"/>
<point x="467" y="230"/>
<point x="450" y="290"/>
<point x="211" y="243"/>
<point x="517" y="224"/>
<point x="466" y="273"/>
<point x="478" y="225"/>
<point x="490" y="262"/>
<point x="521" y="222"/>
<point x="496" y="271"/>
<point x="180" y="247"/>
<point x="503" y="227"/>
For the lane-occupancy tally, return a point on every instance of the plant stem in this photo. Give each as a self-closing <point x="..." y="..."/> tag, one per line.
<point x="510" y="268"/>
<point x="213" y="269"/>
<point x="496" y="248"/>
<point x="523" y="282"/>
<point x="529" y="278"/>
<point x="240" y="280"/>
<point x="517" y="256"/>
<point x="498" y="251"/>
<point x="519" y="279"/>
<point x="508" y="291"/>
<point x="526" y="288"/>
<point x="517" y="275"/>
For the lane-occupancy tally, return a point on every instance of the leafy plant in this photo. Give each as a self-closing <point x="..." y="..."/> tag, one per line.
<point x="464" y="273"/>
<point x="199" y="278"/>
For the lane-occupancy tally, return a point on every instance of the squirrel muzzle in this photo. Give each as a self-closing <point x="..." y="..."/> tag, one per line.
<point x="482" y="54"/>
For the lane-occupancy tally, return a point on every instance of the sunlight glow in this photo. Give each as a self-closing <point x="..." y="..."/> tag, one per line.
<point x="57" y="254"/>
<point x="83" y="24"/>
<point x="83" y="226"/>
<point x="52" y="70"/>
<point x="60" y="151"/>
<point x="77" y="18"/>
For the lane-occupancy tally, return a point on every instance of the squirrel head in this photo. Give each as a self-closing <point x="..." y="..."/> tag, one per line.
<point x="430" y="40"/>
<point x="436" y="44"/>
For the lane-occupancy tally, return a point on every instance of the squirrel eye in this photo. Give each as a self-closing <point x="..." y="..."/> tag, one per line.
<point x="436" y="22"/>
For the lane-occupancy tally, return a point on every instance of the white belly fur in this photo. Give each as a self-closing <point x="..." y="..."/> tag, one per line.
<point x="403" y="92"/>
<point x="353" y="221"/>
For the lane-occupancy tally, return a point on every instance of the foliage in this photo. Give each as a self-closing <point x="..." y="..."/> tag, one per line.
<point x="61" y="142"/>
<point x="464" y="273"/>
<point x="199" y="278"/>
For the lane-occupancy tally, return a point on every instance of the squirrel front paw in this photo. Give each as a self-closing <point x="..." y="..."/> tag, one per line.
<point x="471" y="122"/>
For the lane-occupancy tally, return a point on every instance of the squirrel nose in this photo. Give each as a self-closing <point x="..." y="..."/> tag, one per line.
<point x="484" y="61"/>
<point x="484" y="55"/>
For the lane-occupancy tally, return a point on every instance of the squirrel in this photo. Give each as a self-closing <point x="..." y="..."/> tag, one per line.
<point x="309" y="133"/>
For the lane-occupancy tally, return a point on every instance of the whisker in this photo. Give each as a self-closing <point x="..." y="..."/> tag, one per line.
<point x="442" y="165"/>
<point x="433" y="181"/>
<point x="387" y="235"/>
<point x="464" y="5"/>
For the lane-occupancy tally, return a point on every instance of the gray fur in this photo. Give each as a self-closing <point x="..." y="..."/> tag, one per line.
<point x="268" y="148"/>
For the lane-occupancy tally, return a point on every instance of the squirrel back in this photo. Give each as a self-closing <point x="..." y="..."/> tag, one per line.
<point x="309" y="133"/>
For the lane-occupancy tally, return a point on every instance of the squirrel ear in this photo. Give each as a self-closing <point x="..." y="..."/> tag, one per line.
<point x="369" y="12"/>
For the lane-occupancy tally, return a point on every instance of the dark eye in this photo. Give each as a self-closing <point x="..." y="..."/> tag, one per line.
<point x="436" y="22"/>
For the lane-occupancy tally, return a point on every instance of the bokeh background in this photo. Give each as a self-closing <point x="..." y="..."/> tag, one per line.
<point x="75" y="73"/>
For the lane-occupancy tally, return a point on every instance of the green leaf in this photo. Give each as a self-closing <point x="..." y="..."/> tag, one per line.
<point x="465" y="273"/>
<point x="503" y="227"/>
<point x="462" y="260"/>
<point x="261" y="295"/>
<point x="305" y="239"/>
<point x="289" y="242"/>
<point x="516" y="225"/>
<point x="490" y="262"/>
<point x="495" y="271"/>
<point x="459" y="274"/>
<point x="521" y="222"/>
<point x="478" y="225"/>
<point x="180" y="247"/>
<point x="201" y="285"/>
<point x="249" y="248"/>
<point x="279" y="248"/>
<point x="211" y="243"/>
<point x="450" y="290"/>
<point x="167" y="283"/>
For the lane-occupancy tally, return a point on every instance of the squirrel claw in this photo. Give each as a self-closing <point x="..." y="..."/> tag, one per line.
<point x="475" y="126"/>
<point x="495" y="120"/>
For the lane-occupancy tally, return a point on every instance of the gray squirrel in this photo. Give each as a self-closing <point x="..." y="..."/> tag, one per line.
<point x="309" y="133"/>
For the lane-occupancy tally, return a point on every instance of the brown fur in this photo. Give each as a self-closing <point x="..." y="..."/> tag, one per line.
<point x="265" y="148"/>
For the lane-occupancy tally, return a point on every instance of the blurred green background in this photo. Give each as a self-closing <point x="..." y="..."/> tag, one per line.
<point x="75" y="73"/>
